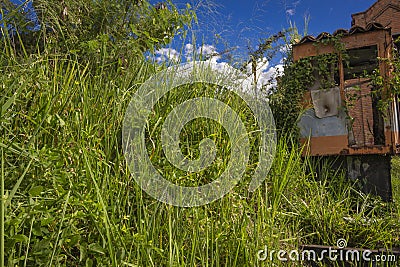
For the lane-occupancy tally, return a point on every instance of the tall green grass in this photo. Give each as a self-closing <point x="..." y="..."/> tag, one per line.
<point x="69" y="199"/>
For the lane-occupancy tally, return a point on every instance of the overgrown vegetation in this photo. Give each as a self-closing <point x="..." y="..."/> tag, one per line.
<point x="316" y="72"/>
<point x="69" y="199"/>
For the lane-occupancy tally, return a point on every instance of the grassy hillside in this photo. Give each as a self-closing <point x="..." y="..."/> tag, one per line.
<point x="71" y="201"/>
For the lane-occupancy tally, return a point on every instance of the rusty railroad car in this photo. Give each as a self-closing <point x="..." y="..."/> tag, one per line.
<point x="345" y="121"/>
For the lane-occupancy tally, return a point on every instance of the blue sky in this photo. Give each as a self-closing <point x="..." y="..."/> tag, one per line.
<point x="239" y="25"/>
<point x="244" y="22"/>
<point x="275" y="14"/>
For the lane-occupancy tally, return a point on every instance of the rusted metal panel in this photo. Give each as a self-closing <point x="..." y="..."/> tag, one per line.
<point x="310" y="125"/>
<point x="351" y="41"/>
<point x="325" y="145"/>
<point x="373" y="172"/>
<point x="338" y="145"/>
<point x="365" y="131"/>
<point x="347" y="122"/>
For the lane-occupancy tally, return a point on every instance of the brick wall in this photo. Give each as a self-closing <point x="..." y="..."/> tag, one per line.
<point x="359" y="104"/>
<point x="385" y="12"/>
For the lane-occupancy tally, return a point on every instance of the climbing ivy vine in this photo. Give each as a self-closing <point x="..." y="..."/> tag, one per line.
<point x="286" y="98"/>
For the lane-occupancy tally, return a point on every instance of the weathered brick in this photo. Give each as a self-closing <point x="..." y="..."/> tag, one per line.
<point x="361" y="111"/>
<point x="385" y="12"/>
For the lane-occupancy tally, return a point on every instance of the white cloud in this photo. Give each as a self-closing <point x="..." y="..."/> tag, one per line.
<point x="207" y="50"/>
<point x="218" y="65"/>
<point x="291" y="8"/>
<point x="189" y="49"/>
<point x="285" y="50"/>
<point x="265" y="74"/>
<point x="291" y="11"/>
<point x="202" y="52"/>
<point x="267" y="78"/>
<point x="164" y="54"/>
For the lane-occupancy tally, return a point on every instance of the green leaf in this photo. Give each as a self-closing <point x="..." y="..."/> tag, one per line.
<point x="94" y="247"/>
<point x="46" y="221"/>
<point x="83" y="251"/>
<point x="89" y="262"/>
<point x="20" y="238"/>
<point x="7" y="105"/>
<point x="36" y="191"/>
<point x="37" y="230"/>
<point x="61" y="121"/>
